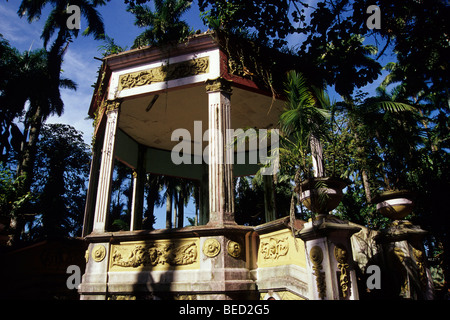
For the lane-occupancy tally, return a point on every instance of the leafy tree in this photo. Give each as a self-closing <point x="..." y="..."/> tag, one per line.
<point x="33" y="77"/>
<point x="121" y="198"/>
<point x="267" y="20"/>
<point x="62" y="169"/>
<point x="57" y="22"/>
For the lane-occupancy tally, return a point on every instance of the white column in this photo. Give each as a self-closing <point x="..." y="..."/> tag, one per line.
<point x="106" y="167"/>
<point x="133" y="203"/>
<point x="92" y="190"/>
<point x="221" y="199"/>
<point x="137" y="204"/>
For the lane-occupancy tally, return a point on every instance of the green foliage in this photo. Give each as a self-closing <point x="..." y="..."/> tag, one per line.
<point x="110" y="47"/>
<point x="163" y="25"/>
<point x="62" y="169"/>
<point x="11" y="201"/>
<point x="267" y="20"/>
<point x="304" y="117"/>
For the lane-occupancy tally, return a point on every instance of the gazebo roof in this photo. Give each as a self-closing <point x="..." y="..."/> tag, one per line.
<point x="162" y="89"/>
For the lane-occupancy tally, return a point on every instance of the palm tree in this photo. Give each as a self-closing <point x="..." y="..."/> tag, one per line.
<point x="383" y="130"/>
<point x="164" y="25"/>
<point x="34" y="79"/>
<point x="45" y="98"/>
<point x="303" y="123"/>
<point x="303" y="126"/>
<point x="57" y="19"/>
<point x="10" y="100"/>
<point x="153" y="187"/>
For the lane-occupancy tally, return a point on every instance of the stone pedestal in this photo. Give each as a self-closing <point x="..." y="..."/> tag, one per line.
<point x="329" y="258"/>
<point x="405" y="261"/>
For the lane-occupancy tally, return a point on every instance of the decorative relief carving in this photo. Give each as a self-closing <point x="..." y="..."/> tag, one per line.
<point x="211" y="247"/>
<point x="397" y="258"/>
<point x="341" y="255"/>
<point x="155" y="254"/>
<point x="98" y="253"/>
<point x="274" y="248"/>
<point x="164" y="73"/>
<point x="122" y="297"/>
<point x="316" y="256"/>
<point x="420" y="261"/>
<point x="112" y="105"/>
<point x="219" y="84"/>
<point x="234" y="249"/>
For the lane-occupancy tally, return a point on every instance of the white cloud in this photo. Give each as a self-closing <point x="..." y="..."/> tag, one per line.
<point x="17" y="30"/>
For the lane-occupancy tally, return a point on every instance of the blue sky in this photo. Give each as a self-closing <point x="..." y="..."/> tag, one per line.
<point x="80" y="65"/>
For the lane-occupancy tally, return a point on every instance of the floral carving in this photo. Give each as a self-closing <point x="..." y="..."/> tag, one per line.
<point x="341" y="255"/>
<point x="164" y="73"/>
<point x="145" y="255"/>
<point x="274" y="248"/>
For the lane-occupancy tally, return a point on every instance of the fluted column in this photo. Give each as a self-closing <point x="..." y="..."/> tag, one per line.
<point x="221" y="198"/>
<point x="106" y="167"/>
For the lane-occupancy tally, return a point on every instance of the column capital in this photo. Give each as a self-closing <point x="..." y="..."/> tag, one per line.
<point x="218" y="85"/>
<point x="112" y="105"/>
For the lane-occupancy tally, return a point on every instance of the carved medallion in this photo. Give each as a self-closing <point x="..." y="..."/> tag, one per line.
<point x="316" y="255"/>
<point x="98" y="253"/>
<point x="211" y="247"/>
<point x="234" y="249"/>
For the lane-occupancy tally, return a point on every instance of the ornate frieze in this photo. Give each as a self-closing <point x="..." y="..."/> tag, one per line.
<point x="164" y="73"/>
<point x="274" y="248"/>
<point x="162" y="254"/>
<point x="341" y="255"/>
<point x="316" y="256"/>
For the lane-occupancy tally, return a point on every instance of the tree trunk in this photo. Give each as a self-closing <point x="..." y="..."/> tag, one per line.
<point x="26" y="164"/>
<point x="25" y="170"/>
<point x="366" y="184"/>
<point x="168" y="210"/>
<point x="180" y="217"/>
